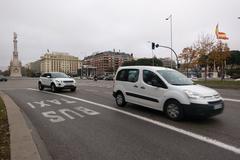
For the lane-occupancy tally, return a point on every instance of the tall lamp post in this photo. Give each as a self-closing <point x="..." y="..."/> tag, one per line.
<point x="170" y="18"/>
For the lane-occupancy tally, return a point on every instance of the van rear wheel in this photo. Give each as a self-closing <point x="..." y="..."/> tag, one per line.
<point x="173" y="110"/>
<point x="120" y="99"/>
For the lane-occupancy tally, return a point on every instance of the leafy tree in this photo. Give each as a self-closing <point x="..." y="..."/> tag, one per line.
<point x="27" y="72"/>
<point x="189" y="58"/>
<point x="6" y="73"/>
<point x="203" y="47"/>
<point x="234" y="58"/>
<point x="219" y="55"/>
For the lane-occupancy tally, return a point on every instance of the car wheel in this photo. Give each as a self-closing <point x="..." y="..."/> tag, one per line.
<point x="120" y="99"/>
<point x="53" y="88"/>
<point x="40" y="86"/>
<point x="173" y="110"/>
<point x="73" y="89"/>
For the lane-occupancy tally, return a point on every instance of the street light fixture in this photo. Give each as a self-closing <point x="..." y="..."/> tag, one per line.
<point x="170" y="18"/>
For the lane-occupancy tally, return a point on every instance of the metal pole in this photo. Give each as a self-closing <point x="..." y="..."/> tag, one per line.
<point x="152" y="58"/>
<point x="171" y="39"/>
<point x="172" y="51"/>
<point x="170" y="17"/>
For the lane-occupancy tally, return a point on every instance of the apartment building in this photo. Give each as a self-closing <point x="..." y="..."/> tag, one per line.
<point x="107" y="62"/>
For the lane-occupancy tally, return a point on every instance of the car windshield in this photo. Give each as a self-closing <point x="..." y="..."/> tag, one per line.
<point x="174" y="77"/>
<point x="59" y="75"/>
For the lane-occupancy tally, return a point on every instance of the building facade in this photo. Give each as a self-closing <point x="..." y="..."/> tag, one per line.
<point x="15" y="64"/>
<point x="107" y="62"/>
<point x="59" y="62"/>
<point x="35" y="67"/>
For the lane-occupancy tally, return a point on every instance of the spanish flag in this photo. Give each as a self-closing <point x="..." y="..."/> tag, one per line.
<point x="220" y="35"/>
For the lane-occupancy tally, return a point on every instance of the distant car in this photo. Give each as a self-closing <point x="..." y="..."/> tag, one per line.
<point x="84" y="78"/>
<point x="100" y="77"/>
<point x="109" y="77"/>
<point x="194" y="78"/>
<point x="3" y="78"/>
<point x="56" y="81"/>
<point x="90" y="77"/>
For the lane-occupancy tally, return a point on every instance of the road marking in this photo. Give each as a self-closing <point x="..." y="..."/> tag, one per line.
<point x="53" y="117"/>
<point x="90" y="90"/>
<point x="42" y="104"/>
<point x="161" y="124"/>
<point x="31" y="105"/>
<point x="229" y="99"/>
<point x="65" y="110"/>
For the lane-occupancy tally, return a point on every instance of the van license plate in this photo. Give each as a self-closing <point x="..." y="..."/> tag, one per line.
<point x="218" y="106"/>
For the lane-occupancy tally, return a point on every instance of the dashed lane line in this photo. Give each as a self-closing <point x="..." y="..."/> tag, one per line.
<point x="161" y="124"/>
<point x="232" y="100"/>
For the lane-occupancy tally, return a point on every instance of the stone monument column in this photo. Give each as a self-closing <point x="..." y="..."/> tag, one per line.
<point x="15" y="64"/>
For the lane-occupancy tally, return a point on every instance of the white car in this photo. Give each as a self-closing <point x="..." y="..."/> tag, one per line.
<point x="56" y="81"/>
<point x="166" y="90"/>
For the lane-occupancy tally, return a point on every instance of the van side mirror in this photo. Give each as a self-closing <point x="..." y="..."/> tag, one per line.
<point x="48" y="77"/>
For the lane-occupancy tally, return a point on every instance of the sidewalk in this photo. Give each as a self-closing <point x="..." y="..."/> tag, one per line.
<point x="22" y="145"/>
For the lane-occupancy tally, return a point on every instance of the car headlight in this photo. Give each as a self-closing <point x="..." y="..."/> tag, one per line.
<point x="193" y="95"/>
<point x="58" y="81"/>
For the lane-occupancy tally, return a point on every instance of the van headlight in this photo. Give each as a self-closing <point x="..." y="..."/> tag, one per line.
<point x="193" y="95"/>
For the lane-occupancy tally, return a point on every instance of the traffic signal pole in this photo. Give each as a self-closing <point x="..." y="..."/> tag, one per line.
<point x="157" y="45"/>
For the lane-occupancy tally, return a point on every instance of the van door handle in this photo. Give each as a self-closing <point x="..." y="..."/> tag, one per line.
<point x="135" y="86"/>
<point x="142" y="87"/>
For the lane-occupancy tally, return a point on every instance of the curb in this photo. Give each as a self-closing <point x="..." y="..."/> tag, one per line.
<point x="22" y="145"/>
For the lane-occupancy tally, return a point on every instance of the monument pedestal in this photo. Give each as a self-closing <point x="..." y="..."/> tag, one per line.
<point x="215" y="74"/>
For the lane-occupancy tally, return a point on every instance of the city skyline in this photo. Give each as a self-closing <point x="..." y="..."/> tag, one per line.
<point x="82" y="28"/>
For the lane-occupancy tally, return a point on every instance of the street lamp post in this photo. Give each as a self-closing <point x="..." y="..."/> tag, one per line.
<point x="170" y="18"/>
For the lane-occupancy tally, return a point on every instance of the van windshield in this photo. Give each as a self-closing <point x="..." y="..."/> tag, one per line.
<point x="174" y="77"/>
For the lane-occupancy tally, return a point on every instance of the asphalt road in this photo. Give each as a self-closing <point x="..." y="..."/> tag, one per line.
<point x="87" y="124"/>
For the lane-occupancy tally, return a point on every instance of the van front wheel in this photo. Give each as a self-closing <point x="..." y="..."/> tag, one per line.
<point x="120" y="100"/>
<point x="173" y="110"/>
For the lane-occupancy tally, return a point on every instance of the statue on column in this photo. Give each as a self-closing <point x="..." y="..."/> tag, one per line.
<point x="15" y="64"/>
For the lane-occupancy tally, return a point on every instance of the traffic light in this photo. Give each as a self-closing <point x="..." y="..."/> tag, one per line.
<point x="178" y="65"/>
<point x="153" y="45"/>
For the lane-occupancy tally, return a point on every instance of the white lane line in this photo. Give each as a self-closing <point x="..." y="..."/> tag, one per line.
<point x="229" y="99"/>
<point x="164" y="125"/>
<point x="90" y="90"/>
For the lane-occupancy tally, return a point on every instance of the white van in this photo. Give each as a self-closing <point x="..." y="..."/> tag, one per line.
<point x="166" y="90"/>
